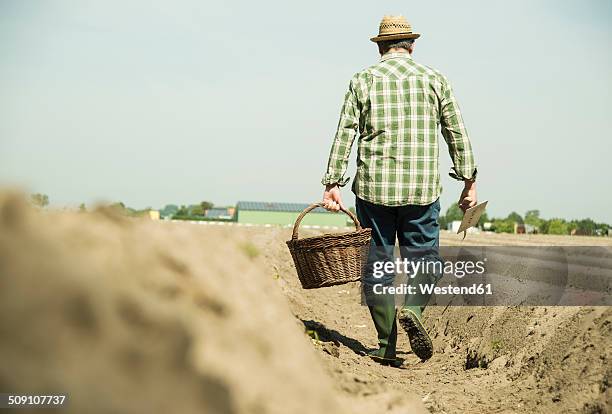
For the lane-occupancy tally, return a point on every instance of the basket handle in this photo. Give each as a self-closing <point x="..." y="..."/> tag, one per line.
<point x="312" y="207"/>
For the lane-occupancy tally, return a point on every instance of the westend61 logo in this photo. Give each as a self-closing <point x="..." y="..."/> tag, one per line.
<point x="411" y="268"/>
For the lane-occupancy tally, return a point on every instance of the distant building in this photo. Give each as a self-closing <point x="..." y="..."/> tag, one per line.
<point x="522" y="228"/>
<point x="254" y="212"/>
<point x="151" y="214"/>
<point x="453" y="227"/>
<point x="223" y="213"/>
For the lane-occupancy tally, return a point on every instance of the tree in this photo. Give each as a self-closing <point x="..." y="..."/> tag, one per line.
<point x="442" y="222"/>
<point x="484" y="218"/>
<point x="558" y="226"/>
<point x="602" y="227"/>
<point x="206" y="205"/>
<point x="544" y="224"/>
<point x="169" y="210"/>
<point x="197" y="210"/>
<point x="82" y="208"/>
<point x="182" y="211"/>
<point x="120" y="208"/>
<point x="532" y="217"/>
<point x="453" y="213"/>
<point x="586" y="226"/>
<point x="515" y="217"/>
<point x="503" y="226"/>
<point x="40" y="200"/>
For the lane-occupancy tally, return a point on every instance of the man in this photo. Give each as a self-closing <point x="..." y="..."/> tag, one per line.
<point x="397" y="106"/>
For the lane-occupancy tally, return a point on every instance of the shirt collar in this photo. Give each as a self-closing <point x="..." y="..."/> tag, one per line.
<point x="395" y="55"/>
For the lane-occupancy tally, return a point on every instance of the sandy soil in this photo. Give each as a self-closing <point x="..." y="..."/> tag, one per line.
<point x="487" y="360"/>
<point x="130" y="316"/>
<point x="135" y="316"/>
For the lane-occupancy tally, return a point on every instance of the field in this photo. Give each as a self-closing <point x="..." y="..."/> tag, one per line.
<point x="136" y="316"/>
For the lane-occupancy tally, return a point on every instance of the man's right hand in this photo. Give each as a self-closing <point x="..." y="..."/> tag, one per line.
<point x="332" y="200"/>
<point x="468" y="196"/>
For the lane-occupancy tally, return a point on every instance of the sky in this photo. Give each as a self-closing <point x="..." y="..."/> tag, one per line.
<point x="155" y="102"/>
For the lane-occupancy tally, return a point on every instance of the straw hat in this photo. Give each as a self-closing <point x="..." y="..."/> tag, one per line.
<point x="394" y="28"/>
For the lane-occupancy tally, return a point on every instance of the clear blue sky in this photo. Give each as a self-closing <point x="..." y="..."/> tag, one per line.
<point x="155" y="102"/>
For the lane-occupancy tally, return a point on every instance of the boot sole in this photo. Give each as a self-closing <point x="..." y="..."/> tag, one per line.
<point x="417" y="335"/>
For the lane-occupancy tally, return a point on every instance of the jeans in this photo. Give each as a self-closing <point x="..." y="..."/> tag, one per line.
<point x="416" y="229"/>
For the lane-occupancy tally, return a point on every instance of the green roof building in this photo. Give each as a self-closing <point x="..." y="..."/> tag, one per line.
<point x="254" y="212"/>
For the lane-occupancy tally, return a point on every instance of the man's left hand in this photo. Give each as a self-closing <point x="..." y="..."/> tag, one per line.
<point x="468" y="196"/>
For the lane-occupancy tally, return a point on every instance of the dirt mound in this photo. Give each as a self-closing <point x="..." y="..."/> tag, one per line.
<point x="135" y="316"/>
<point x="540" y="359"/>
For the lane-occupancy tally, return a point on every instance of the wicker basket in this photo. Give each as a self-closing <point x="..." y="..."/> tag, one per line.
<point x="330" y="259"/>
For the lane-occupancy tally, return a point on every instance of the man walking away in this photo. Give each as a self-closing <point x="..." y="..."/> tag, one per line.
<point x="397" y="106"/>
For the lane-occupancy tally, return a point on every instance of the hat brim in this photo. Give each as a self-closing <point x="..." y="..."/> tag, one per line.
<point x="395" y="36"/>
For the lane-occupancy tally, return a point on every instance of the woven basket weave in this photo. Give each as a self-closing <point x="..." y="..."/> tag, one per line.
<point x="330" y="259"/>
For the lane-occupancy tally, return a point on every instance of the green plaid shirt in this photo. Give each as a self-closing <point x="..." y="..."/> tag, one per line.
<point x="398" y="106"/>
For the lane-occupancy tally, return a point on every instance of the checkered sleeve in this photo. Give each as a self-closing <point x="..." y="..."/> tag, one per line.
<point x="343" y="141"/>
<point x="456" y="136"/>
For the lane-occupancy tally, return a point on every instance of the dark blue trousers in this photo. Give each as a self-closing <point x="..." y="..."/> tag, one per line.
<point x="415" y="228"/>
<point x="417" y="231"/>
<point x="412" y="225"/>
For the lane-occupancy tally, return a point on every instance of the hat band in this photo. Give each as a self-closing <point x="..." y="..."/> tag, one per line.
<point x="393" y="34"/>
